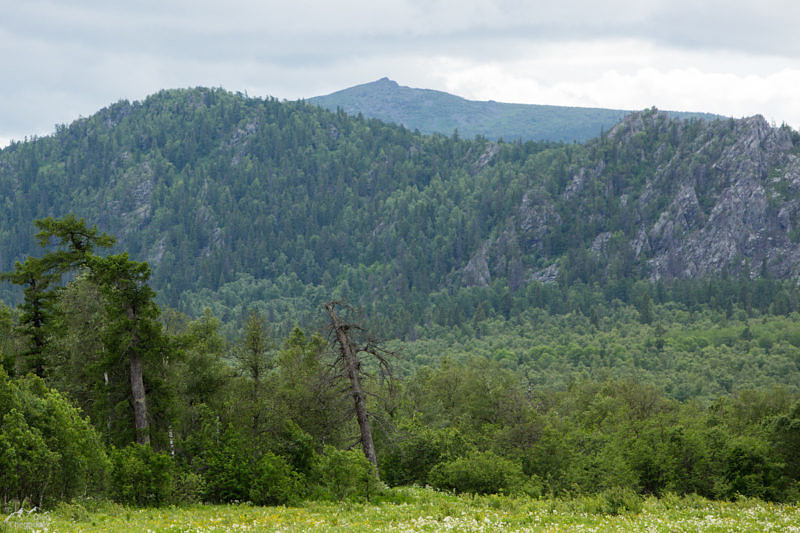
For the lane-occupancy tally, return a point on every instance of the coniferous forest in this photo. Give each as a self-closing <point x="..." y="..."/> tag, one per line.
<point x="513" y="318"/>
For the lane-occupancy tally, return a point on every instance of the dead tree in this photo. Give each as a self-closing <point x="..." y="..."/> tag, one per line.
<point x="348" y="358"/>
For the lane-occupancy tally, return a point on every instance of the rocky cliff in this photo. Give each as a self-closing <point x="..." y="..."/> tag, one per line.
<point x="671" y="198"/>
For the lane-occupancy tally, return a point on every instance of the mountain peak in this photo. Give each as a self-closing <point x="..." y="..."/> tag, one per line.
<point x="432" y="111"/>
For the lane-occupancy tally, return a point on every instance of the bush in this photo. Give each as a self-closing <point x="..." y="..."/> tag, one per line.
<point x="421" y="448"/>
<point x="297" y="447"/>
<point x="274" y="482"/>
<point x="750" y="470"/>
<point x="47" y="450"/>
<point x="227" y="469"/>
<point x="73" y="511"/>
<point x="480" y="473"/>
<point x="346" y="475"/>
<point x="141" y="476"/>
<point x="619" y="500"/>
<point x="187" y="487"/>
<point x="26" y="464"/>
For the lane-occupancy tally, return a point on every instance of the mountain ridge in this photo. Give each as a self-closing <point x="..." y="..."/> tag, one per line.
<point x="722" y="199"/>
<point x="432" y="111"/>
<point x="240" y="201"/>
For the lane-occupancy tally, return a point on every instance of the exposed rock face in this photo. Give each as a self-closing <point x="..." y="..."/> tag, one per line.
<point x="525" y="231"/>
<point x="476" y="273"/>
<point x="535" y="218"/>
<point x="742" y="230"/>
<point x="721" y="195"/>
<point x="683" y="215"/>
<point x="130" y="201"/>
<point x="547" y="275"/>
<point x="486" y="157"/>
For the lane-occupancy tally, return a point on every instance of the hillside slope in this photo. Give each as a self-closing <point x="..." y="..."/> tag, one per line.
<point x="432" y="111"/>
<point x="237" y="200"/>
<point x="661" y="198"/>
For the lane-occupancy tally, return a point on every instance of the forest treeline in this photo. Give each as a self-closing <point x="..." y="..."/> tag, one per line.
<point x="543" y="403"/>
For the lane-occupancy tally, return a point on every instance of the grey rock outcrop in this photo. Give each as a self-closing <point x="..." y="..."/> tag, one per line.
<point x="717" y="196"/>
<point x="743" y="230"/>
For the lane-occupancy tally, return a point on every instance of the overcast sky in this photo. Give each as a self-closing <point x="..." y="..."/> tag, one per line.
<point x="63" y="59"/>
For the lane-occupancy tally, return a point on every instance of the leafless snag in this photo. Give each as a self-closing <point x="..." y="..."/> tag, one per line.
<point x="348" y="359"/>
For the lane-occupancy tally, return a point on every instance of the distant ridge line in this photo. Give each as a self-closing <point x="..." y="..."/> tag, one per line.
<point x="432" y="111"/>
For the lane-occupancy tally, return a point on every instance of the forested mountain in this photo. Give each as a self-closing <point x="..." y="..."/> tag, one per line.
<point x="432" y="111"/>
<point x="238" y="201"/>
<point x="616" y="317"/>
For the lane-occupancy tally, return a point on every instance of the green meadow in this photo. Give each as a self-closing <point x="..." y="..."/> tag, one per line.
<point x="417" y="509"/>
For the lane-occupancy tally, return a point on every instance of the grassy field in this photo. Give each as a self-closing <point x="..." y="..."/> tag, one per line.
<point x="411" y="509"/>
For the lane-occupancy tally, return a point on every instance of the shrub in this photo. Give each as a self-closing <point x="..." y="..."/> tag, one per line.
<point x="619" y="500"/>
<point x="187" y="487"/>
<point x="141" y="476"/>
<point x="227" y="469"/>
<point x="479" y="472"/>
<point x="274" y="482"/>
<point x="297" y="447"/>
<point x="421" y="448"/>
<point x="26" y="464"/>
<point x="750" y="471"/>
<point x="346" y="475"/>
<point x="47" y="450"/>
<point x="73" y="511"/>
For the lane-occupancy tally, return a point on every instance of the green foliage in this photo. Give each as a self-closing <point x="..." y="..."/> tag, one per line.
<point x="40" y="275"/>
<point x="675" y="458"/>
<point x="479" y="473"/>
<point x="76" y="240"/>
<point x="141" y="476"/>
<point x="296" y="447"/>
<point x="417" y="450"/>
<point x="346" y="475"/>
<point x="187" y="487"/>
<point x="227" y="468"/>
<point x="689" y="353"/>
<point x="595" y="436"/>
<point x="784" y="434"/>
<point x="274" y="482"/>
<point x="230" y="471"/>
<point x="36" y="311"/>
<point x="751" y="471"/>
<point x="48" y="450"/>
<point x="619" y="500"/>
<point x="26" y="462"/>
<point x="252" y="355"/>
<point x="8" y="339"/>
<point x="305" y="394"/>
<point x="199" y="378"/>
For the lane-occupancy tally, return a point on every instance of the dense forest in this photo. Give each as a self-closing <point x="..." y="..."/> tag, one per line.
<point x="542" y="332"/>
<point x="103" y="393"/>
<point x="240" y="203"/>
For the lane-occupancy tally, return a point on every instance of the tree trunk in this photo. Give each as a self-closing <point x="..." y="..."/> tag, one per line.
<point x="139" y="400"/>
<point x="350" y="358"/>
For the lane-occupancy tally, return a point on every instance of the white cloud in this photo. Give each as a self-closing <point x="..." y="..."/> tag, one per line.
<point x="631" y="74"/>
<point x="61" y="60"/>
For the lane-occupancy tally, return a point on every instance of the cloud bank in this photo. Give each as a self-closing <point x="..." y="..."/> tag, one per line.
<point x="63" y="60"/>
